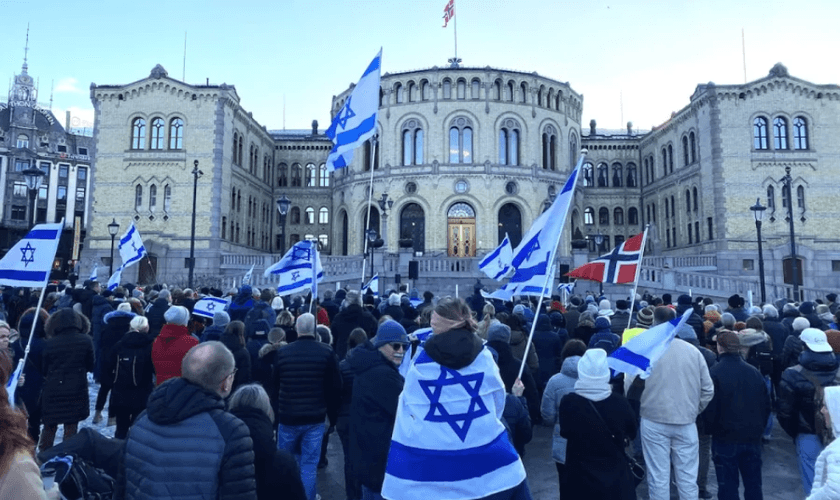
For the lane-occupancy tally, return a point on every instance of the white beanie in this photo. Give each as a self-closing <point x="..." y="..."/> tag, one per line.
<point x="177" y="315"/>
<point x="277" y="304"/>
<point x="593" y="375"/>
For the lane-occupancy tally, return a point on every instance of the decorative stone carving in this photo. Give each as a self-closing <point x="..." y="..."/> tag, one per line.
<point x="779" y="70"/>
<point x="158" y="72"/>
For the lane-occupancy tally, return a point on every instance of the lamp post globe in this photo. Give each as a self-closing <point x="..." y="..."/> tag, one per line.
<point x="113" y="229"/>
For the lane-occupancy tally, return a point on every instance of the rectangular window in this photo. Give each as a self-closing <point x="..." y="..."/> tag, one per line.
<point x="19" y="189"/>
<point x="689" y="234"/>
<point x="21" y="165"/>
<point x="83" y="151"/>
<point x="224" y="227"/>
<point x="748" y="265"/>
<point x="42" y="192"/>
<point x="18" y="212"/>
<point x="45" y="167"/>
<point x="62" y="148"/>
<point x="80" y="193"/>
<point x="62" y="193"/>
<point x="40" y="215"/>
<point x="81" y="174"/>
<point x="63" y="170"/>
<point x="835" y="266"/>
<point x="697" y="231"/>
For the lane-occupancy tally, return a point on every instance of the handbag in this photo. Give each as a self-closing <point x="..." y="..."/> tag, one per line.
<point x="637" y="470"/>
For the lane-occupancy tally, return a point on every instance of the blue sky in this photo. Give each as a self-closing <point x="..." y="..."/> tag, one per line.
<point x="639" y="60"/>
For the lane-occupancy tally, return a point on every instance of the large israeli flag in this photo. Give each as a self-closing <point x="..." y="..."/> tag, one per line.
<point x="355" y="122"/>
<point x="208" y="306"/>
<point x="448" y="440"/>
<point x="296" y="269"/>
<point x="94" y="274"/>
<point x="639" y="354"/>
<point x="496" y="264"/>
<point x="131" y="247"/>
<point x="246" y="280"/>
<point x="29" y="262"/>
<point x="532" y="258"/>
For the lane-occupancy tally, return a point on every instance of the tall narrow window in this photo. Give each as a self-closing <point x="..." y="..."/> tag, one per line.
<point x="418" y="146"/>
<point x="760" y="133"/>
<point x="425" y="90"/>
<point x="167" y="198"/>
<point x="800" y="133"/>
<point x="297" y="175"/>
<point x="523" y="93"/>
<point x="549" y="147"/>
<point x="603" y="175"/>
<point x="771" y="198"/>
<point x="692" y="146"/>
<point x="631" y="175"/>
<point x="398" y="90"/>
<point x="447" y="89"/>
<point x="282" y="175"/>
<point x="670" y="158"/>
<point x="138" y="134"/>
<point x="687" y="201"/>
<point x="664" y="161"/>
<point x="324" y="215"/>
<point x="412" y="143"/>
<point x="800" y="197"/>
<point x="157" y="133"/>
<point x="176" y="133"/>
<point x="604" y="216"/>
<point x="694" y="192"/>
<point x="460" y="140"/>
<point x="633" y="216"/>
<point x="325" y="176"/>
<point x="785" y="196"/>
<point x="509" y="143"/>
<point x="311" y="175"/>
<point x="138" y="197"/>
<point x="310" y="215"/>
<point x="152" y="198"/>
<point x="497" y="90"/>
<point x="685" y="150"/>
<point x="475" y="91"/>
<point x="779" y="133"/>
<point x="589" y="216"/>
<point x="617" y="175"/>
<point x="618" y="216"/>
<point x="588" y="175"/>
<point x="573" y="151"/>
<point x="462" y="89"/>
<point x="503" y="140"/>
<point x="510" y="91"/>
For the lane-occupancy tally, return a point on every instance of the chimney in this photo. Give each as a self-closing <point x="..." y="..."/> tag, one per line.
<point x="592" y="127"/>
<point x="67" y="122"/>
<point x="629" y="128"/>
<point x="314" y="127"/>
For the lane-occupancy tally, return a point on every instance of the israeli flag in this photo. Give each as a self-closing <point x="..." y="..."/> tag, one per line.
<point x="532" y="259"/>
<point x="94" y="276"/>
<point x="246" y="280"/>
<point x="355" y="122"/>
<point x="568" y="287"/>
<point x="504" y="293"/>
<point x="496" y="264"/>
<point x="297" y="268"/>
<point x="373" y="286"/>
<point x="114" y="280"/>
<point x="448" y="440"/>
<point x="421" y="334"/>
<point x="208" y="306"/>
<point x="131" y="247"/>
<point x="639" y="354"/>
<point x="29" y="262"/>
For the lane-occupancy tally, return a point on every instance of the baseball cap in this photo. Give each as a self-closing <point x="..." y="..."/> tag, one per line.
<point x="815" y="340"/>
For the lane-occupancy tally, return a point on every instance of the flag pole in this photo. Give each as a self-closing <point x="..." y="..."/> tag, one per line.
<point x="455" y="31"/>
<point x="373" y="141"/>
<point x="636" y="280"/>
<point x="313" y="290"/>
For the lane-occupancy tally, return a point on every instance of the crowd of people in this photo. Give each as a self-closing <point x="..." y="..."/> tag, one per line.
<point x="243" y="405"/>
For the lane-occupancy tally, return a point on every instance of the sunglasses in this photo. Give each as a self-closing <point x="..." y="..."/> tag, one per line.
<point x="398" y="346"/>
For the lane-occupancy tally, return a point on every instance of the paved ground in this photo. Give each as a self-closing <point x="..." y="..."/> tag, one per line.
<point x="780" y="473"/>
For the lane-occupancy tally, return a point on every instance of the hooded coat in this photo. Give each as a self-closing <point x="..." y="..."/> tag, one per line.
<point x="169" y="349"/>
<point x="518" y="341"/>
<point x="138" y="345"/>
<point x="509" y="369"/>
<point x="549" y="346"/>
<point x="185" y="446"/>
<point x="241" y="304"/>
<point x="558" y="386"/>
<point x="117" y="324"/>
<point x="66" y="360"/>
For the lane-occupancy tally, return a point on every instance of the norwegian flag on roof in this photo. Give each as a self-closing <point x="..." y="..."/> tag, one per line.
<point x="618" y="266"/>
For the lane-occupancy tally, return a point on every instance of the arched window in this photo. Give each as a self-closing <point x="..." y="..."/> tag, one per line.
<point x="573" y="151"/>
<point x="603" y="175"/>
<point x="425" y="90"/>
<point x="771" y="198"/>
<point x="234" y="158"/>
<point x="411" y="92"/>
<point x="497" y="90"/>
<point x="510" y="91"/>
<point x="311" y="175"/>
<point x="324" y="215"/>
<point x="324" y="179"/>
<point x="176" y="133"/>
<point x="588" y="216"/>
<point x="664" y="161"/>
<point x="694" y="191"/>
<point x="692" y="146"/>
<point x="647" y="174"/>
<point x="297" y="175"/>
<point x="523" y="93"/>
<point x="462" y="88"/>
<point x="138" y="197"/>
<point x="510" y="224"/>
<point x="167" y="198"/>
<point x="398" y="91"/>
<point x="282" y="175"/>
<point x="670" y="158"/>
<point x="785" y="196"/>
<point x="412" y="143"/>
<point x="460" y="140"/>
<point x="685" y="150"/>
<point x="588" y="175"/>
<point x="632" y="180"/>
<point x="294" y="215"/>
<point x="549" y="148"/>
<point x="760" y="133"/>
<point x="617" y="175"/>
<point x="779" y="133"/>
<point x="138" y="134"/>
<point x="413" y="226"/>
<point x="22" y="141"/>
<point x="240" y="149"/>
<point x="633" y="216"/>
<point x="447" y="89"/>
<point x="509" y="142"/>
<point x="367" y="157"/>
<point x="233" y="198"/>
<point x="688" y="201"/>
<point x="800" y="133"/>
<point x="475" y="90"/>
<point x="800" y="197"/>
<point x="152" y="198"/>
<point x="618" y="216"/>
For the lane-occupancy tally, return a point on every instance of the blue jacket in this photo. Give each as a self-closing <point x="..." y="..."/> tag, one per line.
<point x="186" y="446"/>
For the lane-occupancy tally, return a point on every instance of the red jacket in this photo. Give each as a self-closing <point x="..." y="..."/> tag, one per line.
<point x="169" y="350"/>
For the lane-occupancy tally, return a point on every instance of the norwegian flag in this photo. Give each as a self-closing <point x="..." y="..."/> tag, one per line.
<point x="618" y="266"/>
<point x="448" y="12"/>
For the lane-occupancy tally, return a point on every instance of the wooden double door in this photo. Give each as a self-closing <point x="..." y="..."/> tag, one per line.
<point x="462" y="239"/>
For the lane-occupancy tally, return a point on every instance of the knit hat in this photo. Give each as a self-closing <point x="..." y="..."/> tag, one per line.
<point x="519" y="309"/>
<point x="593" y="375"/>
<point x="800" y="324"/>
<point x="221" y="318"/>
<point x="498" y="331"/>
<point x="602" y="323"/>
<point x="388" y="332"/>
<point x="177" y="315"/>
<point x="605" y="308"/>
<point x="755" y="323"/>
<point x="831" y="297"/>
<point x="644" y="318"/>
<point x="734" y="301"/>
<point x="728" y="341"/>
<point x="684" y="300"/>
<point x="806" y="308"/>
<point x="816" y="340"/>
<point x="712" y="316"/>
<point x="686" y="332"/>
<point x="277" y="304"/>
<point x="621" y="305"/>
<point x="833" y="337"/>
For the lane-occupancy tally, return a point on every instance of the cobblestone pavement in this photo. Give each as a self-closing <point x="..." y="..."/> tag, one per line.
<point x="780" y="473"/>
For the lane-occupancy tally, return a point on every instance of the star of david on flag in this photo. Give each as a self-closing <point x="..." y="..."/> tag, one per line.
<point x="29" y="262"/>
<point x="496" y="264"/>
<point x="438" y="412"/>
<point x="352" y="126"/>
<point x="297" y="268"/>
<point x="131" y="247"/>
<point x="208" y="306"/>
<point x="618" y="266"/>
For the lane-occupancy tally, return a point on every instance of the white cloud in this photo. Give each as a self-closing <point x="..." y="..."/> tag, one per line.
<point x="80" y="118"/>
<point x="68" y="85"/>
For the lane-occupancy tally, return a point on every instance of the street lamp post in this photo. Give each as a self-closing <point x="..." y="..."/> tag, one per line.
<point x="196" y="174"/>
<point x="371" y="236"/>
<point x="283" y="205"/>
<point x="113" y="229"/>
<point x="758" y="213"/>
<point x="794" y="267"/>
<point x="599" y="241"/>
<point x="33" y="177"/>
<point x="385" y="204"/>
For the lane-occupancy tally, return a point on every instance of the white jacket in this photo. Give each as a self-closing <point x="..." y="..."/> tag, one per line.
<point x="827" y="474"/>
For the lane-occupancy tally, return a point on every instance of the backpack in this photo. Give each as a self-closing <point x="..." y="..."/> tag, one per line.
<point x="77" y="479"/>
<point x="761" y="357"/>
<point x="130" y="364"/>
<point x="821" y="429"/>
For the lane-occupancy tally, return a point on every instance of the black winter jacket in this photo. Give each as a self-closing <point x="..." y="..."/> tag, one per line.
<point x="739" y="409"/>
<point x="131" y="391"/>
<point x="185" y="446"/>
<point x="117" y="324"/>
<point x="796" y="393"/>
<point x="66" y="359"/>
<point x="549" y="346"/>
<point x="778" y="334"/>
<point x="694" y="321"/>
<point x="509" y="369"/>
<point x="241" y="357"/>
<point x="352" y="316"/>
<point x="306" y="383"/>
<point x="155" y="316"/>
<point x="347" y="377"/>
<point x="376" y="391"/>
<point x="100" y="306"/>
<point x="272" y="467"/>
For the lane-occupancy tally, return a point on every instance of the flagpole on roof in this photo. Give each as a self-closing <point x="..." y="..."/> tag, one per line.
<point x="373" y="141"/>
<point x="636" y="280"/>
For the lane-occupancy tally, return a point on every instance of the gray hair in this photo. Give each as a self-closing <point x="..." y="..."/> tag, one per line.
<point x="771" y="311"/>
<point x="164" y="294"/>
<point x="727" y="320"/>
<point x="305" y="324"/>
<point x="251" y="396"/>
<point x="139" y="323"/>
<point x="207" y="365"/>
<point x="353" y="297"/>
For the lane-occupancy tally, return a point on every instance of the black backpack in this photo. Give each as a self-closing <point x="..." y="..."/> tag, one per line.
<point x="761" y="357"/>
<point x="77" y="479"/>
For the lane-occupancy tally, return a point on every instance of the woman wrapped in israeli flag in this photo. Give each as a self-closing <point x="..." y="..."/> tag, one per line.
<point x="449" y="441"/>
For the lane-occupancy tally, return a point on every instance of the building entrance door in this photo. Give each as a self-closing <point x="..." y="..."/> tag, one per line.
<point x="461" y="236"/>
<point x="148" y="270"/>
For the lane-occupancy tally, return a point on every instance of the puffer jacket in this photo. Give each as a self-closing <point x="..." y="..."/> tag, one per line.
<point x="66" y="359"/>
<point x="827" y="474"/>
<point x="558" y="386"/>
<point x="169" y="350"/>
<point x="306" y="383"/>
<point x="796" y="393"/>
<point x="186" y="446"/>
